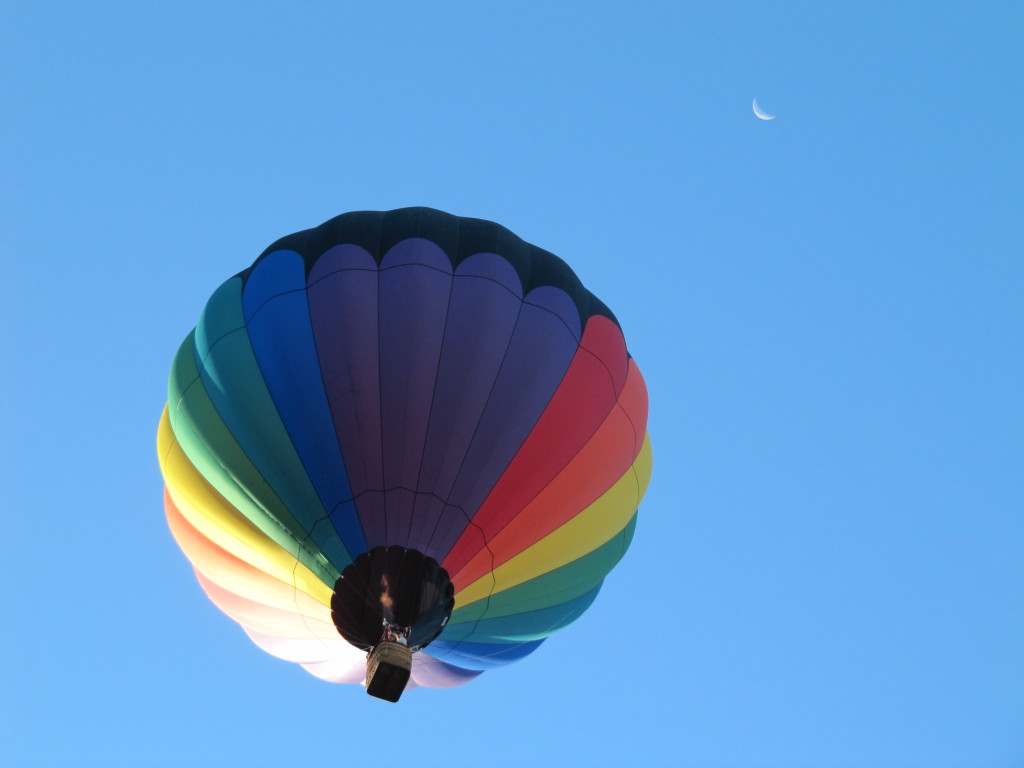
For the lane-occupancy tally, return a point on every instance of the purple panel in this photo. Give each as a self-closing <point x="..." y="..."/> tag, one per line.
<point x="343" y="306"/>
<point x="482" y="312"/>
<point x="415" y="286"/>
<point x="434" y="381"/>
<point x="546" y="336"/>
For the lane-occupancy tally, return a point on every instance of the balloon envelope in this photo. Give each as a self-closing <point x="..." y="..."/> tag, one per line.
<point x="418" y="418"/>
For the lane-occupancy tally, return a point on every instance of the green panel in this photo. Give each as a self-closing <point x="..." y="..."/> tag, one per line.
<point x="522" y="627"/>
<point x="238" y="391"/>
<point x="555" y="587"/>
<point x="213" y="449"/>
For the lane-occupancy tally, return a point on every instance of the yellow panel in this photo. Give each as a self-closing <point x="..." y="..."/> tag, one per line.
<point x="212" y="515"/>
<point x="236" y="576"/>
<point x="287" y="598"/>
<point x="583" y="534"/>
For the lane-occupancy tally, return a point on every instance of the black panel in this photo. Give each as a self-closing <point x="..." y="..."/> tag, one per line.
<point x="392" y="587"/>
<point x="459" y="237"/>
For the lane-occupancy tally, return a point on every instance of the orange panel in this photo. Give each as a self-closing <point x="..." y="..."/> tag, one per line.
<point x="264" y="618"/>
<point x="234" y="574"/>
<point x="582" y="402"/>
<point x="600" y="463"/>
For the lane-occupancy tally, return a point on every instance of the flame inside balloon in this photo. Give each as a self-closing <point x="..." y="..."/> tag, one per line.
<point x="386" y="601"/>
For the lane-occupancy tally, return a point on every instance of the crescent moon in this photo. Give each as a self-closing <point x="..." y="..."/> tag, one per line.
<point x="761" y="113"/>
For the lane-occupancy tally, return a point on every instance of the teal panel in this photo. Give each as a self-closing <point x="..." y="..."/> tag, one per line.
<point x="521" y="627"/>
<point x="213" y="450"/>
<point x="237" y="390"/>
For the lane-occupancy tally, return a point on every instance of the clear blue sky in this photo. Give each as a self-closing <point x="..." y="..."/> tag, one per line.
<point x="828" y="309"/>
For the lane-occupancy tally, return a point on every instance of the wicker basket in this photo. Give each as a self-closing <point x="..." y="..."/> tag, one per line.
<point x="387" y="670"/>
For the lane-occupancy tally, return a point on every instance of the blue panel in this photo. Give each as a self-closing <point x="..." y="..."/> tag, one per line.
<point x="481" y="656"/>
<point x="277" y="317"/>
<point x="235" y="385"/>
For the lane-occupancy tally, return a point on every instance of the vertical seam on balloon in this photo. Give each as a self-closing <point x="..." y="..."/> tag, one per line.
<point x="300" y="544"/>
<point x="631" y="470"/>
<point x="508" y="343"/>
<point x="356" y="496"/>
<point x="638" y="436"/>
<point x="167" y="486"/>
<point x="487" y="604"/>
<point x="462" y="463"/>
<point x="430" y="415"/>
<point x="552" y="626"/>
<point x="201" y="365"/>
<point x="380" y="383"/>
<point x="327" y="401"/>
<point x="490" y="394"/>
<point x="416" y="494"/>
<point x="280" y="418"/>
<point x="445" y="500"/>
<point x="297" y="589"/>
<point x="378" y="257"/>
<point x="523" y="303"/>
<point x="579" y="449"/>
<point x="426" y="431"/>
<point x="487" y="541"/>
<point x="483" y="410"/>
<point x="620" y="535"/>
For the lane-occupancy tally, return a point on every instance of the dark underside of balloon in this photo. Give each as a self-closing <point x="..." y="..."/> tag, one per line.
<point x="391" y="602"/>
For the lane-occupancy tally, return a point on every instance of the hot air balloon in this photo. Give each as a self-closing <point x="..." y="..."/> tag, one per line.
<point x="403" y="448"/>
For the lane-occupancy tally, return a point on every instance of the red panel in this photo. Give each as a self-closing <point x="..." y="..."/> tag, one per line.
<point x="608" y="454"/>
<point x="598" y="465"/>
<point x="586" y="394"/>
